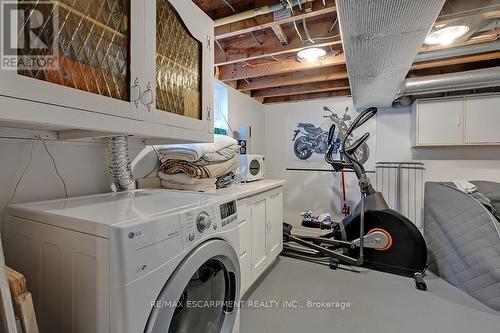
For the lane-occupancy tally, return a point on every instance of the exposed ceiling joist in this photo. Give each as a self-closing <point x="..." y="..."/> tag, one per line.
<point x="237" y="72"/>
<point x="314" y="75"/>
<point x="280" y="34"/>
<point x="303" y="97"/>
<point x="249" y="49"/>
<point x="267" y="20"/>
<point x="302" y="88"/>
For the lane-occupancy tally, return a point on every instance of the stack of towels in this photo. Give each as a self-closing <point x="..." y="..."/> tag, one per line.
<point x="199" y="167"/>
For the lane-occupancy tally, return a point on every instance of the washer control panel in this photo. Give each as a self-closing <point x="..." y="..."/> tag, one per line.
<point x="198" y="223"/>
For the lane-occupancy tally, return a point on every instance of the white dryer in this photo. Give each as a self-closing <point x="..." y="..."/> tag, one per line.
<point x="142" y="261"/>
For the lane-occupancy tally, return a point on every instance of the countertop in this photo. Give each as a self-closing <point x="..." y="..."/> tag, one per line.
<point x="245" y="190"/>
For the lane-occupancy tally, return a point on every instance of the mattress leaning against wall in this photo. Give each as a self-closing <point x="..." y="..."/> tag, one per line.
<point x="463" y="239"/>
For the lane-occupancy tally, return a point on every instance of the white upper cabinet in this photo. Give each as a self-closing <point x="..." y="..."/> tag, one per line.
<point x="440" y="122"/>
<point x="85" y="52"/>
<point x="482" y="116"/>
<point x="457" y="121"/>
<point x="137" y="67"/>
<point x="179" y="92"/>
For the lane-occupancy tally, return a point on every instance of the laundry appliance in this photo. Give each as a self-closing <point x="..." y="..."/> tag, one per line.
<point x="141" y="261"/>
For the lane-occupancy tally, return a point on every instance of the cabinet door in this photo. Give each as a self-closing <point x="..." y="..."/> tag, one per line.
<point x="440" y="122"/>
<point x="245" y="229"/>
<point x="179" y="52"/>
<point x="259" y="232"/>
<point x="77" y="54"/>
<point x="274" y="214"/>
<point x="482" y="116"/>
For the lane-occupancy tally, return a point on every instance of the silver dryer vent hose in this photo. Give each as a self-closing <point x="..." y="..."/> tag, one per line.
<point x="119" y="164"/>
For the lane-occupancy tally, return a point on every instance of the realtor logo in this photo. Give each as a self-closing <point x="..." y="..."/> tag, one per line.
<point x="29" y="31"/>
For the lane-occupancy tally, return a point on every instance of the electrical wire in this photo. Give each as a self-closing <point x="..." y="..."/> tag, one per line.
<point x="158" y="162"/>
<point x="297" y="31"/>
<point x="226" y="2"/>
<point x="304" y="23"/>
<point x="55" y="166"/>
<point x="334" y="24"/>
<point x="22" y="174"/>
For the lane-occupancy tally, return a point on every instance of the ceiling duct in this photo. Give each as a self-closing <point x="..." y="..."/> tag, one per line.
<point x="381" y="39"/>
<point x="475" y="79"/>
<point x="458" y="51"/>
<point x="284" y="4"/>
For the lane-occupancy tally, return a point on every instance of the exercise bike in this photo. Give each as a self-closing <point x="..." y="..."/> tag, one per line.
<point x="373" y="236"/>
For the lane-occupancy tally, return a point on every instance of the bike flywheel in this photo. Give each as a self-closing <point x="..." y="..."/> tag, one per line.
<point x="407" y="252"/>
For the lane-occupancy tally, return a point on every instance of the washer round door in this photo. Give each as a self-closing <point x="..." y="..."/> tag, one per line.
<point x="201" y="295"/>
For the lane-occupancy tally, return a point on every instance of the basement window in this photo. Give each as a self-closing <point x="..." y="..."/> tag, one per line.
<point x="221" y="112"/>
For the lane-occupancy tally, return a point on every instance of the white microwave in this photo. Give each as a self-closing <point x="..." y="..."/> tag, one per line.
<point x="251" y="167"/>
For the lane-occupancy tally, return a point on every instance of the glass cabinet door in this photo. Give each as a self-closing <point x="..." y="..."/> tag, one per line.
<point x="179" y="61"/>
<point x="77" y="53"/>
<point x="182" y="70"/>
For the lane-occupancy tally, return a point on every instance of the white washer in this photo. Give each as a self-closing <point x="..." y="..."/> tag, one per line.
<point x="142" y="261"/>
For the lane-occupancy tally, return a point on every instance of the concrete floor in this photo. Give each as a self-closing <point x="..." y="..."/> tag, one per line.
<point x="377" y="302"/>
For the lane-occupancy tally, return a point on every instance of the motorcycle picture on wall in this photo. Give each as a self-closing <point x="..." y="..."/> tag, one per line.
<point x="310" y="139"/>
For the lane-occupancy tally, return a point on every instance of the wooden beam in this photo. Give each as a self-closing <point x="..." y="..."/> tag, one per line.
<point x="238" y="72"/>
<point x="267" y="21"/>
<point x="303" y="97"/>
<point x="314" y="75"/>
<point x="302" y="88"/>
<point x="280" y="34"/>
<point x="245" y="49"/>
<point x="456" y="60"/>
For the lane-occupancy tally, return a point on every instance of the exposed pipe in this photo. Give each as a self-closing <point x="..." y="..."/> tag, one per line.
<point x="458" y="51"/>
<point x="259" y="11"/>
<point x="475" y="79"/>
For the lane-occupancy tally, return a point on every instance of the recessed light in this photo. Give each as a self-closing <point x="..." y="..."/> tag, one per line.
<point x="446" y="35"/>
<point x="311" y="54"/>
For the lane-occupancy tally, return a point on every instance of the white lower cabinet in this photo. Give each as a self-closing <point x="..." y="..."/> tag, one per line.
<point x="261" y="240"/>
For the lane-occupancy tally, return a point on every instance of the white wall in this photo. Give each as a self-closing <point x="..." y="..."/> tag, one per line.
<point x="244" y="110"/>
<point x="442" y="164"/>
<point x="83" y="165"/>
<point x="319" y="191"/>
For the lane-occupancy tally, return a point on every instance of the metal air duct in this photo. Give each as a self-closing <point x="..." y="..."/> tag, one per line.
<point x="475" y="79"/>
<point x="381" y="39"/>
<point x="458" y="51"/>
<point x="260" y="11"/>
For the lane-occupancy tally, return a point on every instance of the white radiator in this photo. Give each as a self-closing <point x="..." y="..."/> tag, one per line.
<point x="402" y="184"/>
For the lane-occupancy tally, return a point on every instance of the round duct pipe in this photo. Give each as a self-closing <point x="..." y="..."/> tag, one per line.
<point x="458" y="51"/>
<point x="475" y="79"/>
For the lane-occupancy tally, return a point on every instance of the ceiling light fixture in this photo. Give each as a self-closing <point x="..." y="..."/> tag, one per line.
<point x="311" y="54"/>
<point x="446" y="35"/>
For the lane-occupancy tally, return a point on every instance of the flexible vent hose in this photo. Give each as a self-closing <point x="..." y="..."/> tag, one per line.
<point x="119" y="164"/>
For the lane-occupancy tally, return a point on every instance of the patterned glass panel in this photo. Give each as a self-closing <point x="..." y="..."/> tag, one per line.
<point x="178" y="64"/>
<point x="93" y="44"/>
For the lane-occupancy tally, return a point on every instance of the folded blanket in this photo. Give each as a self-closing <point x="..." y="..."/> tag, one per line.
<point x="194" y="152"/>
<point x="182" y="178"/>
<point x="225" y="181"/>
<point x="200" y="171"/>
<point x="186" y="187"/>
<point x="219" y="156"/>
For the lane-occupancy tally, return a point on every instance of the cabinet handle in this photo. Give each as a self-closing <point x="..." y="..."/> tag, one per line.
<point x="138" y="86"/>
<point x="209" y="43"/>
<point x="209" y="113"/>
<point x="459" y="121"/>
<point x="149" y="92"/>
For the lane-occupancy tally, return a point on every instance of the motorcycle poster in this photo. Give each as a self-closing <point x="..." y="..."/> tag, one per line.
<point x="309" y="124"/>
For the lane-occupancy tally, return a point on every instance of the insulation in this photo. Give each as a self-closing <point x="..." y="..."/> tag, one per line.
<point x="381" y="39"/>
